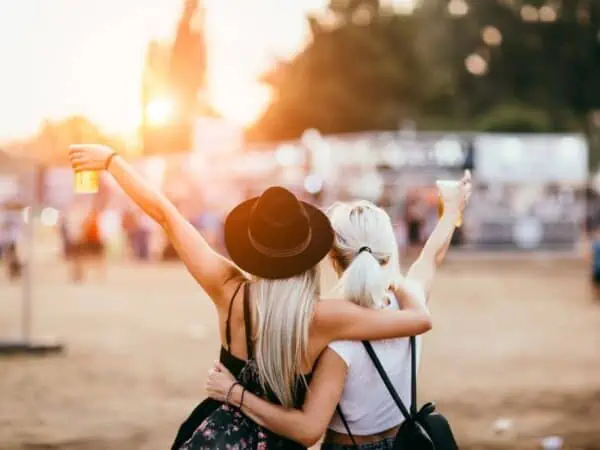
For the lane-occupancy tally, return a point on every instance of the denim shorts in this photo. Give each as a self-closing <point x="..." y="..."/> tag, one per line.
<point x="385" y="444"/>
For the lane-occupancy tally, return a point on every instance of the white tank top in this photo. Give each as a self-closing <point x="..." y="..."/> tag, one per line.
<point x="366" y="403"/>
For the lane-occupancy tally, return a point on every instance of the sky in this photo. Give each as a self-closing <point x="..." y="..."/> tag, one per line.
<point x="65" y="57"/>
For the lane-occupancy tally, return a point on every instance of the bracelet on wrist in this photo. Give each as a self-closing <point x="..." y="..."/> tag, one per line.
<point x="109" y="159"/>
<point x="228" y="398"/>
<point x="242" y="398"/>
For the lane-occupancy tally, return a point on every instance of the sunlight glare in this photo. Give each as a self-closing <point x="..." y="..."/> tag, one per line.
<point x="159" y="111"/>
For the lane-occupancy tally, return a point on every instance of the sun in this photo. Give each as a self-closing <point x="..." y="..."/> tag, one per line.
<point x="159" y="111"/>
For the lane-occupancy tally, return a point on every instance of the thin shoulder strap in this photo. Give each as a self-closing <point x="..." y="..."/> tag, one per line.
<point x="386" y="380"/>
<point x="248" y="322"/>
<point x="227" y="325"/>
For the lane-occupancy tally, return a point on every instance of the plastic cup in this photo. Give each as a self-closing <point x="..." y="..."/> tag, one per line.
<point x="443" y="186"/>
<point x="87" y="182"/>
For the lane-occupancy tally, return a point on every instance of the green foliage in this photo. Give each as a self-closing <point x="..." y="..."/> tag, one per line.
<point x="368" y="69"/>
<point x="514" y="118"/>
<point x="353" y="77"/>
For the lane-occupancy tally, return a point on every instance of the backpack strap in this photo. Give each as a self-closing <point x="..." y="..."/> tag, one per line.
<point x="346" y="426"/>
<point x="386" y="380"/>
<point x="390" y="387"/>
<point x="413" y="381"/>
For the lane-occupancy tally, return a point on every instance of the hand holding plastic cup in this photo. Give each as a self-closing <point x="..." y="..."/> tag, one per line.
<point x="448" y="189"/>
<point x="87" y="161"/>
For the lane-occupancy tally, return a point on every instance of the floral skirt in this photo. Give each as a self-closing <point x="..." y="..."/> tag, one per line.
<point x="228" y="429"/>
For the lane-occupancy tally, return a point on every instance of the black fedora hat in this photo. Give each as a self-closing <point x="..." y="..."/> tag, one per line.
<point x="276" y="235"/>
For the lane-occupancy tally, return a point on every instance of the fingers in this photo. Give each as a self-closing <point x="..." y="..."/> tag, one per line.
<point x="81" y="163"/>
<point x="466" y="179"/>
<point x="76" y="147"/>
<point x="84" y="167"/>
<point x="220" y="367"/>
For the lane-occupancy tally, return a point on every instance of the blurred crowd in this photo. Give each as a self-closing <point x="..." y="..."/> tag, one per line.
<point x="91" y="232"/>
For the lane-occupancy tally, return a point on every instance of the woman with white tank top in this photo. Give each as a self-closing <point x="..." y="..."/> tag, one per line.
<point x="365" y="256"/>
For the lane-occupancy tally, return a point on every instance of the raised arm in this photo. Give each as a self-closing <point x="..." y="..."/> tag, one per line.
<point x="210" y="269"/>
<point x="423" y="269"/>
<point x="305" y="425"/>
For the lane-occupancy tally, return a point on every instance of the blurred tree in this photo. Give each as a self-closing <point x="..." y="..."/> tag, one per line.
<point x="543" y="54"/>
<point x="174" y="87"/>
<point x="363" y="70"/>
<point x="188" y="58"/>
<point x="449" y="63"/>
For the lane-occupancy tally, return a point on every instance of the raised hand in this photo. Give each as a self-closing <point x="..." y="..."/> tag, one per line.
<point x="456" y="195"/>
<point x="89" y="156"/>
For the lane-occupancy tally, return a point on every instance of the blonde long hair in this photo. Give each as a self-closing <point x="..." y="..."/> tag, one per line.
<point x="365" y="250"/>
<point x="283" y="311"/>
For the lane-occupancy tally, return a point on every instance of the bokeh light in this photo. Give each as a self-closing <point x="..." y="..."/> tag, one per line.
<point x="476" y="64"/>
<point x="49" y="217"/>
<point x="458" y="7"/>
<point x="491" y="36"/>
<point x="313" y="184"/>
<point x="547" y="14"/>
<point x="529" y="13"/>
<point x="403" y="6"/>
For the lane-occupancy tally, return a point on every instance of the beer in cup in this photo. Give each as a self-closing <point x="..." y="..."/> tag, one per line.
<point x="444" y="186"/>
<point x="87" y="182"/>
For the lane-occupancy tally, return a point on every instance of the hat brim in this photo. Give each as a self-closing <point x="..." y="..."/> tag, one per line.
<point x="252" y="261"/>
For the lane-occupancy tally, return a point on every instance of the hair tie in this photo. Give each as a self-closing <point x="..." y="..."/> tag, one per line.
<point x="365" y="249"/>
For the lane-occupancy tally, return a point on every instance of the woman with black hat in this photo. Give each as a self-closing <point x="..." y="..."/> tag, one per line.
<point x="273" y="328"/>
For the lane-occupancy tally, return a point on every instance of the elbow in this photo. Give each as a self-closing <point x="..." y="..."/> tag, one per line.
<point x="309" y="441"/>
<point x="310" y="437"/>
<point x="425" y="323"/>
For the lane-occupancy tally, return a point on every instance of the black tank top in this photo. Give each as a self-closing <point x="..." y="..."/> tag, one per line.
<point x="238" y="367"/>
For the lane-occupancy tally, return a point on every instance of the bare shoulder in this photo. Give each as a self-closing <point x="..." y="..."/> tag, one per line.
<point x="330" y="312"/>
<point x="229" y="289"/>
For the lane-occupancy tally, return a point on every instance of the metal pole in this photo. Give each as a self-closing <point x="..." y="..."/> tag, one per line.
<point x="26" y="316"/>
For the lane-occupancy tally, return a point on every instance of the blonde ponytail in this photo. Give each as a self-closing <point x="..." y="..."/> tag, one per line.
<point x="365" y="250"/>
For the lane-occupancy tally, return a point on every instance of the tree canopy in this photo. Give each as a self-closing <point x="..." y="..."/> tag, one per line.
<point x="449" y="62"/>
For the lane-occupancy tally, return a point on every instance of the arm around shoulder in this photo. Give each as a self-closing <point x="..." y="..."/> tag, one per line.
<point x="343" y="320"/>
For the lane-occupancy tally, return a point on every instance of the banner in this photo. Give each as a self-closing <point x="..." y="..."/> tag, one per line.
<point x="531" y="158"/>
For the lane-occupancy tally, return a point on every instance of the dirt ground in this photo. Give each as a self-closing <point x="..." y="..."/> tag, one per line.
<point x="514" y="340"/>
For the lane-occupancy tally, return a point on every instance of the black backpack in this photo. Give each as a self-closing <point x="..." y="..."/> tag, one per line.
<point x="425" y="429"/>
